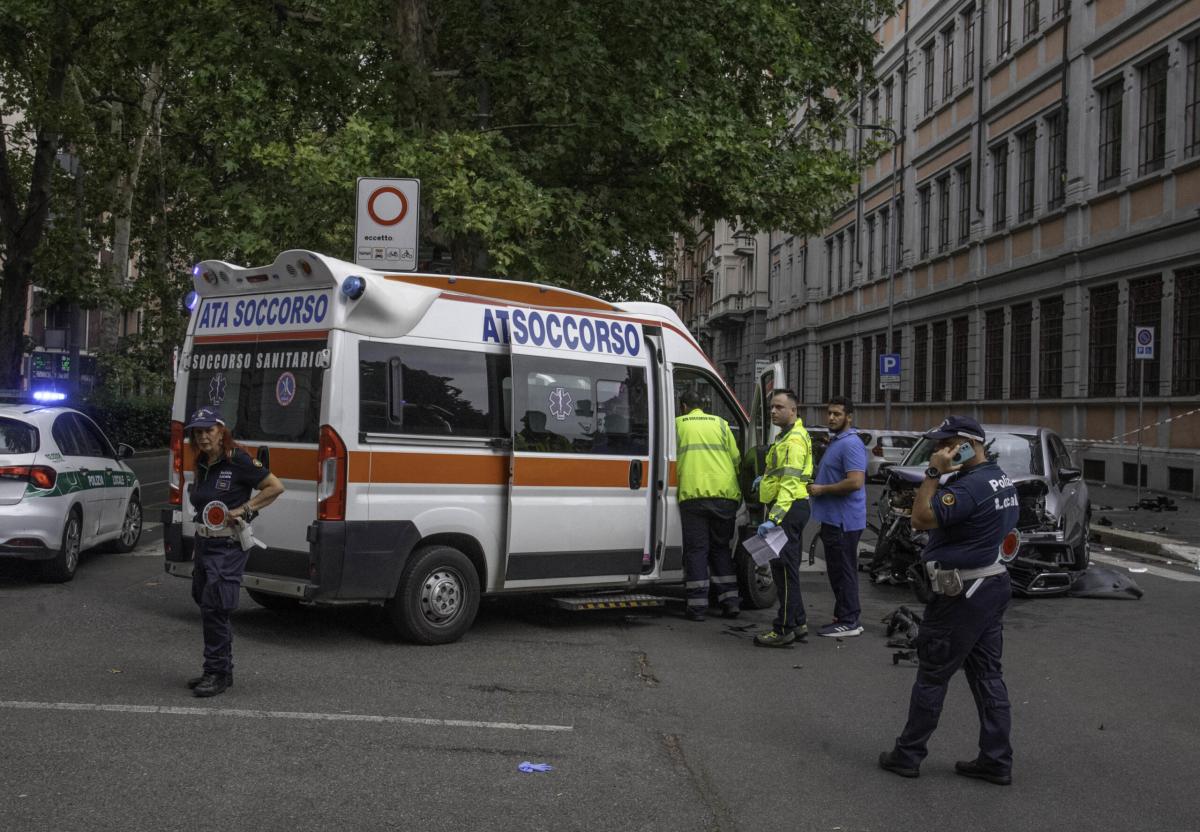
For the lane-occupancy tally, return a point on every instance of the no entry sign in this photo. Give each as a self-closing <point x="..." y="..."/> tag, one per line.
<point x="385" y="228"/>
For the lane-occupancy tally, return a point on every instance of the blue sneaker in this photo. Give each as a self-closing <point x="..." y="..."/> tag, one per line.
<point x="840" y="629"/>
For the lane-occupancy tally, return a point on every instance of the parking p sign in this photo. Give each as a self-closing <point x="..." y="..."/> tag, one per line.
<point x="385" y="228"/>
<point x="889" y="371"/>
<point x="1143" y="343"/>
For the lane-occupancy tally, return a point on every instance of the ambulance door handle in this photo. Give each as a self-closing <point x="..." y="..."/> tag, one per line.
<point x="635" y="474"/>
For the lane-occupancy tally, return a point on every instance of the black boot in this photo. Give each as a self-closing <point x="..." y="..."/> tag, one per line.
<point x="212" y="684"/>
<point x="195" y="681"/>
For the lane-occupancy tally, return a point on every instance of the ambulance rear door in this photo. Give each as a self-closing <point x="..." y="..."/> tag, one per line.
<point x="580" y="505"/>
<point x="762" y="433"/>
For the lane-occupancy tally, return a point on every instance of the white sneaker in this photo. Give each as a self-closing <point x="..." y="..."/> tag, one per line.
<point x="839" y="630"/>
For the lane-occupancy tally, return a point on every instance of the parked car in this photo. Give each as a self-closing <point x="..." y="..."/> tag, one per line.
<point x="887" y="449"/>
<point x="63" y="489"/>
<point x="1054" y="502"/>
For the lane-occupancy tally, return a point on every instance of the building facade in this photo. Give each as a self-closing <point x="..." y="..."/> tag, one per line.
<point x="1047" y="205"/>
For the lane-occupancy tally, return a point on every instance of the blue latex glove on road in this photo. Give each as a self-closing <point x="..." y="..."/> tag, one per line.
<point x="754" y="485"/>
<point x="529" y="767"/>
<point x="766" y="528"/>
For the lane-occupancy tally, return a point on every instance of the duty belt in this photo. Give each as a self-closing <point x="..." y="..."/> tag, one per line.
<point x="949" y="582"/>
<point x="203" y="531"/>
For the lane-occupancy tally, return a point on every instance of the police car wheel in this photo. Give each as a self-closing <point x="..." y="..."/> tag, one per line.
<point x="756" y="585"/>
<point x="61" y="568"/>
<point x="131" y="527"/>
<point x="437" y="598"/>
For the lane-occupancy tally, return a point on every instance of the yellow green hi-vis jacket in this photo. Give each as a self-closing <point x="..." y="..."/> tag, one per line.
<point x="707" y="457"/>
<point x="789" y="471"/>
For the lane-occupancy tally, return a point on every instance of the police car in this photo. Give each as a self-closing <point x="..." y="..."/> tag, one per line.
<point x="63" y="489"/>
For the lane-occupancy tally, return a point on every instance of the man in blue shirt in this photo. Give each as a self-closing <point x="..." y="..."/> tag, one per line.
<point x="839" y="504"/>
<point x="968" y="519"/>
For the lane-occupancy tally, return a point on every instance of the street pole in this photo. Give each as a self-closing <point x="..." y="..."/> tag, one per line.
<point x="894" y="243"/>
<point x="1141" y="421"/>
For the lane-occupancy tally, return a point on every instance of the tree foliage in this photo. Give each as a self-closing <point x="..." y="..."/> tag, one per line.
<point x="558" y="140"/>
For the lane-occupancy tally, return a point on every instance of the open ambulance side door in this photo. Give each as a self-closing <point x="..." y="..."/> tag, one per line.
<point x="762" y="433"/>
<point x="580" y="501"/>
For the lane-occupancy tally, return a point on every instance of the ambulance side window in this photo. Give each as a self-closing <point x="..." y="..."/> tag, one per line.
<point x="716" y="400"/>
<point x="431" y="391"/>
<point x="580" y="407"/>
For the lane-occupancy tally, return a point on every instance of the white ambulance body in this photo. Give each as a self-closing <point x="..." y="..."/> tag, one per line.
<point x="443" y="438"/>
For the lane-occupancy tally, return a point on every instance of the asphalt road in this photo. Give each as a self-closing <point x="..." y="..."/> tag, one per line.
<point x="651" y="722"/>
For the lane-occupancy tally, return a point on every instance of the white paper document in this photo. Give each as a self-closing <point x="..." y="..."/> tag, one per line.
<point x="766" y="549"/>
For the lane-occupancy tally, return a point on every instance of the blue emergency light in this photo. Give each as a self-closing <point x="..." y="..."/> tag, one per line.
<point x="191" y="299"/>
<point x="353" y="287"/>
<point x="45" y="396"/>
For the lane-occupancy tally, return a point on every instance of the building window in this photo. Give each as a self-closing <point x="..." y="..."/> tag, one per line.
<point x="837" y="370"/>
<point x="848" y="370"/>
<point x="829" y="266"/>
<point x="1186" y="378"/>
<point x="851" y="258"/>
<point x="1003" y="26"/>
<point x="841" y="258"/>
<point x="1056" y="147"/>
<point x="885" y="265"/>
<point x="968" y="50"/>
<point x="964" y="202"/>
<point x="826" y="394"/>
<point x="937" y="386"/>
<point x="870" y="248"/>
<point x="880" y="349"/>
<point x="1102" y="338"/>
<point x="1110" y="133"/>
<point x="873" y="104"/>
<point x="866" y="364"/>
<point x="958" y="367"/>
<point x="944" y="213"/>
<point x="1145" y="309"/>
<point x="927" y="53"/>
<point x="993" y="355"/>
<point x="1031" y="17"/>
<point x="899" y="254"/>
<point x="889" y="89"/>
<point x="1050" y="346"/>
<point x="1152" y="131"/>
<point x="925" y="196"/>
<point x="920" y="362"/>
<point x="1059" y="8"/>
<point x="1000" y="185"/>
<point x="804" y="269"/>
<point x="947" y="62"/>
<point x="1021" y="352"/>
<point x="1191" y="110"/>
<point x="1026" y="157"/>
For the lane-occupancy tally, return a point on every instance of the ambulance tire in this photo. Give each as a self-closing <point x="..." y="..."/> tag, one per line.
<point x="266" y="600"/>
<point x="757" y="588"/>
<point x="437" y="598"/>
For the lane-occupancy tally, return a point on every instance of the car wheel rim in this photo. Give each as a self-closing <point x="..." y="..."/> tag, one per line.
<point x="442" y="596"/>
<point x="71" y="559"/>
<point x="133" y="524"/>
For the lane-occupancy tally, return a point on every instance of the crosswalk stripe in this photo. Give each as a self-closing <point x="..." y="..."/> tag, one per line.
<point x="1158" y="571"/>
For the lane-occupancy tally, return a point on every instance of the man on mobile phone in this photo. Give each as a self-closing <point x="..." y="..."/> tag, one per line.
<point x="967" y="518"/>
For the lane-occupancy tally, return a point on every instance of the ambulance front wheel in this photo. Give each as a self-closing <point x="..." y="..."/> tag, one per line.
<point x="437" y="598"/>
<point x="756" y="584"/>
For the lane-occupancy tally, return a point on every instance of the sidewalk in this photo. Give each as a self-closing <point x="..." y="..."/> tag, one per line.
<point x="1174" y="535"/>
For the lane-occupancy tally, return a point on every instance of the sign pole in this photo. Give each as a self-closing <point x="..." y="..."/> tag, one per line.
<point x="1141" y="421"/>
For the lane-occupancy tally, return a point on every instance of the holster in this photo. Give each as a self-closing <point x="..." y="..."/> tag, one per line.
<point x="946" y="582"/>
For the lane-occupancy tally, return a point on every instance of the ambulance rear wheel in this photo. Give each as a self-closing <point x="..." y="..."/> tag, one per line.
<point x="437" y="598"/>
<point x="756" y="585"/>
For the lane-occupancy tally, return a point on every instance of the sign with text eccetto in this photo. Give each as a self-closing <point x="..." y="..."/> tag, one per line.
<point x="386" y="230"/>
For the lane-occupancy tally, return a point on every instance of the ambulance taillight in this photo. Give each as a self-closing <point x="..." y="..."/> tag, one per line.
<point x="331" y="476"/>
<point x="175" y="495"/>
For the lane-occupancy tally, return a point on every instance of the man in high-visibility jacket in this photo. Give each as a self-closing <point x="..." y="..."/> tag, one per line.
<point x="783" y="488"/>
<point x="707" y="459"/>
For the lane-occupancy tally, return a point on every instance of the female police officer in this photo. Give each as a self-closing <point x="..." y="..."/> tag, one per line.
<point x="225" y="476"/>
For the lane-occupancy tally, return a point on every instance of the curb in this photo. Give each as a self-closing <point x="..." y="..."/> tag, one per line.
<point x="1149" y="544"/>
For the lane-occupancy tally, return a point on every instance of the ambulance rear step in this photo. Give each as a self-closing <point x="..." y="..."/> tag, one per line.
<point x="607" y="601"/>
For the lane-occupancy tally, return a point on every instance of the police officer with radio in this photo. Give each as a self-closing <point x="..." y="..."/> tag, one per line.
<point x="707" y="461"/>
<point x="968" y="518"/>
<point x="783" y="488"/>
<point x="224" y="500"/>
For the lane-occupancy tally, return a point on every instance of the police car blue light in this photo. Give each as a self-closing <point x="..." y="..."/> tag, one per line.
<point x="48" y="396"/>
<point x="353" y="287"/>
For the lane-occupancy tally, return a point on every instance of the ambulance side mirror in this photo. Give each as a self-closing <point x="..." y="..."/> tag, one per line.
<point x="264" y="456"/>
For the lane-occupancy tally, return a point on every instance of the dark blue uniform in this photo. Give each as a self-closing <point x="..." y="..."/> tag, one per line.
<point x="218" y="562"/>
<point x="974" y="510"/>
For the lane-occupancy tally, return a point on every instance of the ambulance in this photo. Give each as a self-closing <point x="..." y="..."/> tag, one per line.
<point x="444" y="438"/>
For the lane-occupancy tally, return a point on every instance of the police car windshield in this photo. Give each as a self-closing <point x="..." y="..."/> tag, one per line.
<point x="1018" y="454"/>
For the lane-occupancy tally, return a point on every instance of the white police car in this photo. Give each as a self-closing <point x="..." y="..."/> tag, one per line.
<point x="63" y="489"/>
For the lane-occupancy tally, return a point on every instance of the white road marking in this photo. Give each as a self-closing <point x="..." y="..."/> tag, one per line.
<point x="252" y="714"/>
<point x="1144" y="568"/>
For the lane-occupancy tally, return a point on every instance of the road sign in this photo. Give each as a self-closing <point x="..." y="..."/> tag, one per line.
<point x="386" y="227"/>
<point x="889" y="371"/>
<point x="1143" y="342"/>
